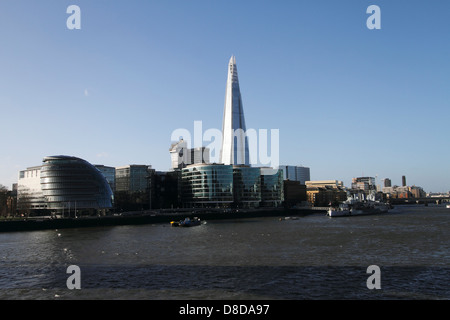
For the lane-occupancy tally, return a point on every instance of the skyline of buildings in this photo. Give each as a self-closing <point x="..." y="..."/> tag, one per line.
<point x="69" y="185"/>
<point x="68" y="180"/>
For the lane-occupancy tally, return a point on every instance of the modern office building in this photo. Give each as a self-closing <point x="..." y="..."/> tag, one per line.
<point x="133" y="178"/>
<point x="181" y="155"/>
<point x="403" y="181"/>
<point x="219" y="185"/>
<point x="133" y="187"/>
<point x="272" y="191"/>
<point x="199" y="155"/>
<point x="303" y="174"/>
<point x="63" y="184"/>
<point x="165" y="192"/>
<point x="246" y="186"/>
<point x="289" y="172"/>
<point x="207" y="185"/>
<point x="296" y="173"/>
<point x="235" y="149"/>
<point x="29" y="191"/>
<point x="387" y="183"/>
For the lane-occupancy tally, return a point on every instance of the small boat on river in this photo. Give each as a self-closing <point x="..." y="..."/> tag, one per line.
<point x="187" y="222"/>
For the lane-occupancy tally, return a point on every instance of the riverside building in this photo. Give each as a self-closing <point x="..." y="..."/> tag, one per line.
<point x="63" y="185"/>
<point x="246" y="186"/>
<point x="228" y="186"/>
<point x="296" y="173"/>
<point x="133" y="187"/>
<point x="321" y="193"/>
<point x="207" y="185"/>
<point x="232" y="183"/>
<point x="272" y="191"/>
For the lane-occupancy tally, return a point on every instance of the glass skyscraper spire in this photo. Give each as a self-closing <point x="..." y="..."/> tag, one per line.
<point x="235" y="148"/>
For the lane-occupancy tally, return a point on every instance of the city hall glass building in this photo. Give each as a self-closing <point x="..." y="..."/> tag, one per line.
<point x="67" y="184"/>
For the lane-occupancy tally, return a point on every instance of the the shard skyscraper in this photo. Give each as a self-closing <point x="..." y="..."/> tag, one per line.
<point x="235" y="148"/>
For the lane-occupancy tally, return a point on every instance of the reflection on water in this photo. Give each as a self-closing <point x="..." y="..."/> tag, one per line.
<point x="313" y="257"/>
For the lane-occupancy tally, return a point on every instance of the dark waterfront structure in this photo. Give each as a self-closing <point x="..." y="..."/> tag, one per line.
<point x="70" y="183"/>
<point x="294" y="193"/>
<point x="133" y="187"/>
<point x="165" y="192"/>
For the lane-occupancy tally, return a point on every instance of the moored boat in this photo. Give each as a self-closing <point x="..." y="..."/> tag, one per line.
<point x="187" y="222"/>
<point x="354" y="207"/>
<point x="369" y="208"/>
<point x="340" y="211"/>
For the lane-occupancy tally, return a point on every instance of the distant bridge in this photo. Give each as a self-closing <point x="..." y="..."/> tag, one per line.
<point x="426" y="200"/>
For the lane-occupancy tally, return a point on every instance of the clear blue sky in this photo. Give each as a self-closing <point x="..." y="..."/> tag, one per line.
<point x="348" y="101"/>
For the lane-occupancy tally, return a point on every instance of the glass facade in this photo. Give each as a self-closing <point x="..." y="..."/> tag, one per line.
<point x="219" y="185"/>
<point x="133" y="178"/>
<point x="69" y="182"/>
<point x="235" y="149"/>
<point x="272" y="194"/>
<point x="296" y="173"/>
<point x="246" y="186"/>
<point x="208" y="185"/>
<point x="109" y="173"/>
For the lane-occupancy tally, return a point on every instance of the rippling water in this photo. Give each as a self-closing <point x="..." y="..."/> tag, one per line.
<point x="312" y="257"/>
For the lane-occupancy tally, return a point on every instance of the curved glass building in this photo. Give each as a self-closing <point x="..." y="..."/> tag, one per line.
<point x="246" y="186"/>
<point x="272" y="193"/>
<point x="74" y="184"/>
<point x="207" y="185"/>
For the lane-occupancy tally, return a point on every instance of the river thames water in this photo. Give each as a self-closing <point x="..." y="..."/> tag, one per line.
<point x="311" y="257"/>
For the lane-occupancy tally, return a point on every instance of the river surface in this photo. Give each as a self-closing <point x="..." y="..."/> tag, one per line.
<point x="311" y="257"/>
